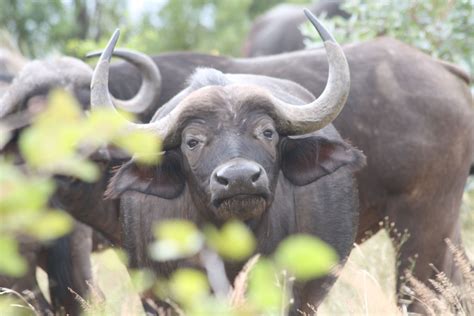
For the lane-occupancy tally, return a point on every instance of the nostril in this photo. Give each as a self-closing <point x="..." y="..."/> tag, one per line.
<point x="256" y="176"/>
<point x="222" y="180"/>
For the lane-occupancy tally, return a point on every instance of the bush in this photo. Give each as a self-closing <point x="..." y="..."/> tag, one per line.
<point x="441" y="28"/>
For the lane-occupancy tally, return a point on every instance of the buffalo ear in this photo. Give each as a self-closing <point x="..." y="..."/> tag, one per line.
<point x="306" y="159"/>
<point x="165" y="180"/>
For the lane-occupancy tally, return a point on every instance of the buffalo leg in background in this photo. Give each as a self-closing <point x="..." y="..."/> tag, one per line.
<point x="426" y="243"/>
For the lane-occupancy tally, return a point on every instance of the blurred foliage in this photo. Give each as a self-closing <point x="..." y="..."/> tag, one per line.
<point x="189" y="286"/>
<point x="13" y="304"/>
<point x="265" y="290"/>
<point x="76" y="27"/>
<point x="305" y="257"/>
<point x="176" y="239"/>
<point x="269" y="280"/>
<point x="23" y="206"/>
<point x="203" y="25"/>
<point x="439" y="27"/>
<point x="39" y="27"/>
<point x="235" y="234"/>
<point x="59" y="141"/>
<point x="442" y="28"/>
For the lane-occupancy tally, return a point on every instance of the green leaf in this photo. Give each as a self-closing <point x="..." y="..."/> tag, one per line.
<point x="142" y="279"/>
<point x="234" y="241"/>
<point x="50" y="225"/>
<point x="62" y="109"/>
<point x="55" y="134"/>
<point x="78" y="167"/>
<point x="11" y="305"/>
<point x="176" y="239"/>
<point x="21" y="193"/>
<point x="144" y="145"/>
<point x="305" y="256"/>
<point x="188" y="286"/>
<point x="213" y="306"/>
<point x="11" y="264"/>
<point x="107" y="122"/>
<point x="263" y="289"/>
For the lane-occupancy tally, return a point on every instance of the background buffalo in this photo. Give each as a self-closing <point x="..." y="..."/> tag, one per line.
<point x="278" y="30"/>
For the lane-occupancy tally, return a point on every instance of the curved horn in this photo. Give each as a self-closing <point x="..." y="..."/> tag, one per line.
<point x="150" y="88"/>
<point x="294" y="120"/>
<point x="165" y="128"/>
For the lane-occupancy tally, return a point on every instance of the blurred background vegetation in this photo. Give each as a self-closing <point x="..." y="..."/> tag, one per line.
<point x="443" y="28"/>
<point x="73" y="27"/>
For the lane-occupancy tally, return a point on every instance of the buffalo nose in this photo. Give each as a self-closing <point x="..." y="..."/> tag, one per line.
<point x="238" y="172"/>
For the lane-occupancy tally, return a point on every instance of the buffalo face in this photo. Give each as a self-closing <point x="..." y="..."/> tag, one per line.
<point x="232" y="162"/>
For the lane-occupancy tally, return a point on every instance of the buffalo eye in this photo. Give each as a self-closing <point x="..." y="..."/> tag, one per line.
<point x="192" y="143"/>
<point x="268" y="133"/>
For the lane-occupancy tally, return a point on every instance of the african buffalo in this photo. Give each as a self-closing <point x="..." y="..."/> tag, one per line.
<point x="28" y="95"/>
<point x="277" y="30"/>
<point x="404" y="109"/>
<point x="409" y="113"/>
<point x="65" y="260"/>
<point x="249" y="147"/>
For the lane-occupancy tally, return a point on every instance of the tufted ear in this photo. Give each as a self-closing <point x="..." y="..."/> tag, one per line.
<point x="306" y="159"/>
<point x="165" y="180"/>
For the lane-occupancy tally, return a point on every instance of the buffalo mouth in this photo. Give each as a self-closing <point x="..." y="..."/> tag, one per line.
<point x="242" y="206"/>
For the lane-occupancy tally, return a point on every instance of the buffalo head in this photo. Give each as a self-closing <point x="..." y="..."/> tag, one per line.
<point x="227" y="137"/>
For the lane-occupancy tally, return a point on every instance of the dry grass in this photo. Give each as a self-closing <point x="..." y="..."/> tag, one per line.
<point x="365" y="286"/>
<point x="14" y="303"/>
<point x="237" y="294"/>
<point x="367" y="283"/>
<point x="444" y="297"/>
